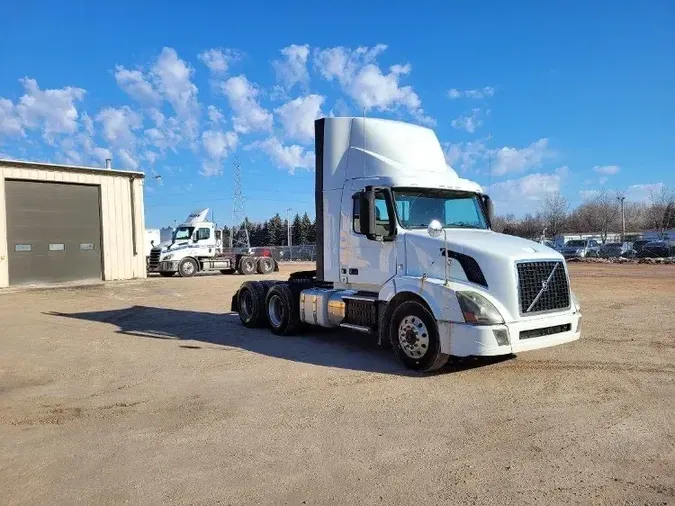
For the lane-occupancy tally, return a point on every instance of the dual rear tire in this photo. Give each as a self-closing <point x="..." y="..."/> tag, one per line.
<point x="269" y="303"/>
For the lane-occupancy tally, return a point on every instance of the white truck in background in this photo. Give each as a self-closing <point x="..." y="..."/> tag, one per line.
<point x="197" y="246"/>
<point x="405" y="251"/>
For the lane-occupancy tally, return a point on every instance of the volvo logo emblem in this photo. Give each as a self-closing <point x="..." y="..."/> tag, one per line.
<point x="544" y="285"/>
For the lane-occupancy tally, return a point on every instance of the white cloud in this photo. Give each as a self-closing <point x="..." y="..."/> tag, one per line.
<point x="218" y="60"/>
<point x="293" y="68"/>
<point x="602" y="180"/>
<point x="524" y="194"/>
<point x="588" y="194"/>
<point x="468" y="123"/>
<point x="136" y="85"/>
<point x="166" y="135"/>
<point x="642" y="192"/>
<point x="608" y="170"/>
<point x="249" y="116"/>
<point x="364" y="81"/>
<point x="215" y="116"/>
<point x="10" y="123"/>
<point x="508" y="160"/>
<point x="52" y="110"/>
<point x="297" y="116"/>
<point x="464" y="155"/>
<point x="173" y="79"/>
<point x="118" y="125"/>
<point x="126" y="160"/>
<point x="488" y="91"/>
<point x="217" y="145"/>
<point x="288" y="157"/>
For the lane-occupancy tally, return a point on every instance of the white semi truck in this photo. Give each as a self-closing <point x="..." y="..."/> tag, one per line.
<point x="405" y="251"/>
<point x="196" y="245"/>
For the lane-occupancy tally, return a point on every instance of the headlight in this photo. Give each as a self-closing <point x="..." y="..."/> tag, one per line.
<point x="575" y="301"/>
<point x="168" y="257"/>
<point x="478" y="310"/>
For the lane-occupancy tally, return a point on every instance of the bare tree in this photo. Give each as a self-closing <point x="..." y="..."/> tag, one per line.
<point x="602" y="212"/>
<point x="553" y="213"/>
<point x="661" y="209"/>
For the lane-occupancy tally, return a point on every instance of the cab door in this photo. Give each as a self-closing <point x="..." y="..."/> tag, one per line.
<point x="367" y="264"/>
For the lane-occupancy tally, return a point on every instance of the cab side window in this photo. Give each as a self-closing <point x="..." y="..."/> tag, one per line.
<point x="203" y="234"/>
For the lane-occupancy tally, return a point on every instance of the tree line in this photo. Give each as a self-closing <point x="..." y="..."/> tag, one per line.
<point x="600" y="213"/>
<point x="274" y="232"/>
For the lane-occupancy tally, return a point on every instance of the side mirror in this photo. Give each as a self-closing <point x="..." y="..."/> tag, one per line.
<point x="489" y="209"/>
<point x="367" y="212"/>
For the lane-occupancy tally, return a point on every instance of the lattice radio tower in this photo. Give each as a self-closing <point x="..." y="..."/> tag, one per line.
<point x="239" y="234"/>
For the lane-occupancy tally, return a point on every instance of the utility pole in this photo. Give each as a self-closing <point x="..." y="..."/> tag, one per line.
<point x="621" y="198"/>
<point x="239" y="233"/>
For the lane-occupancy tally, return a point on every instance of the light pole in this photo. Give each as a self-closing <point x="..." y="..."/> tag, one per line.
<point x="621" y="198"/>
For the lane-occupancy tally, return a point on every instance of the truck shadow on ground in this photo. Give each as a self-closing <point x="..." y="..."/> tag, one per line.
<point x="324" y="347"/>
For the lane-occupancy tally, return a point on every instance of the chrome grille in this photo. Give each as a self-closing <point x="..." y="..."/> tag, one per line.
<point x="541" y="288"/>
<point x="154" y="258"/>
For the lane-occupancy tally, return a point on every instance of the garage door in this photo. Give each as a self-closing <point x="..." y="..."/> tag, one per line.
<point x="53" y="232"/>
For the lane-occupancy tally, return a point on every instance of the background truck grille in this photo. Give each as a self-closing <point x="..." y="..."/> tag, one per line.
<point x="531" y="278"/>
<point x="154" y="258"/>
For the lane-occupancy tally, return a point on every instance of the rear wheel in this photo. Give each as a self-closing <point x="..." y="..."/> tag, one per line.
<point x="283" y="315"/>
<point x="414" y="338"/>
<point x="265" y="265"/>
<point x="247" y="265"/>
<point x="187" y="268"/>
<point x="252" y="304"/>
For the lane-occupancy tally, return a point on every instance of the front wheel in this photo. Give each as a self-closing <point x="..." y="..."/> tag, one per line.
<point x="414" y="338"/>
<point x="187" y="268"/>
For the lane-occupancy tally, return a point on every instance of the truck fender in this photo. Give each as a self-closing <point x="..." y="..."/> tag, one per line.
<point x="440" y="300"/>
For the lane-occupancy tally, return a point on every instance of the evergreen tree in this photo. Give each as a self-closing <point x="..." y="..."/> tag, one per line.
<point x="296" y="231"/>
<point x="305" y="230"/>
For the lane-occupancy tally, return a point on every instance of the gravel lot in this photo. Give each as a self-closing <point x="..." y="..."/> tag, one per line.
<point x="149" y="392"/>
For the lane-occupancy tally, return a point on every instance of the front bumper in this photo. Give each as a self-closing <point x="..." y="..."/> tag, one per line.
<point x="463" y="340"/>
<point x="573" y="254"/>
<point x="165" y="266"/>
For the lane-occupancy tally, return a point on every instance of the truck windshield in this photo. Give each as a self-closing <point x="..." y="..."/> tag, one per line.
<point x="417" y="207"/>
<point x="182" y="233"/>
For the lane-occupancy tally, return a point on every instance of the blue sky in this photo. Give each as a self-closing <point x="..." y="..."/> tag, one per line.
<point x="575" y="97"/>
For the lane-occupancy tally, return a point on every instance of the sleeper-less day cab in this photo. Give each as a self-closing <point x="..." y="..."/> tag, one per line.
<point x="405" y="251"/>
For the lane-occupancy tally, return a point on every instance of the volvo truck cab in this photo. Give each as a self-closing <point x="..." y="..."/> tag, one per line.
<point x="405" y="251"/>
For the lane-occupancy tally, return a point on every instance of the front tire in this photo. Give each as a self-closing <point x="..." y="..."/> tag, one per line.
<point x="281" y="309"/>
<point x="187" y="268"/>
<point x="414" y="338"/>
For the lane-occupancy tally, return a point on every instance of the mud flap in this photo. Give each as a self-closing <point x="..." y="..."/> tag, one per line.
<point x="234" y="307"/>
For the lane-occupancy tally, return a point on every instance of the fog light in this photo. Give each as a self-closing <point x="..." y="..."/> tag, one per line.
<point x="502" y="336"/>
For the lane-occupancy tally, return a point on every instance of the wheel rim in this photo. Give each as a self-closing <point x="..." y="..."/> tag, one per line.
<point x="275" y="310"/>
<point x="413" y="336"/>
<point x="188" y="268"/>
<point x="246" y="304"/>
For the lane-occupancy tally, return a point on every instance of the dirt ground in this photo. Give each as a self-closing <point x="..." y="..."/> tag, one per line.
<point x="149" y="392"/>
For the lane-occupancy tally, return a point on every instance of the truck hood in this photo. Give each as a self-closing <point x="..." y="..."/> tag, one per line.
<point x="496" y="255"/>
<point x="167" y="246"/>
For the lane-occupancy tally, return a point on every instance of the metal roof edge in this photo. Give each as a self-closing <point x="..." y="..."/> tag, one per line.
<point x="72" y="168"/>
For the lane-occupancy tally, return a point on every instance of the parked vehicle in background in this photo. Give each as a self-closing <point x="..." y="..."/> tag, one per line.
<point x="616" y="250"/>
<point x="658" y="249"/>
<point x="639" y="244"/>
<point x="580" y="248"/>
<point x="197" y="246"/>
<point x="550" y="244"/>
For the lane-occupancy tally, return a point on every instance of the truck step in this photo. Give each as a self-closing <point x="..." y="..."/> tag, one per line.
<point x="358" y="328"/>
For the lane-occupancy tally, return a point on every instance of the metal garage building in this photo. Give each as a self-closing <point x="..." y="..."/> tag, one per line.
<point x="61" y="223"/>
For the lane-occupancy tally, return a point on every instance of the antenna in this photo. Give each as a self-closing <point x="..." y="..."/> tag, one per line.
<point x="364" y="142"/>
<point x="239" y="233"/>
